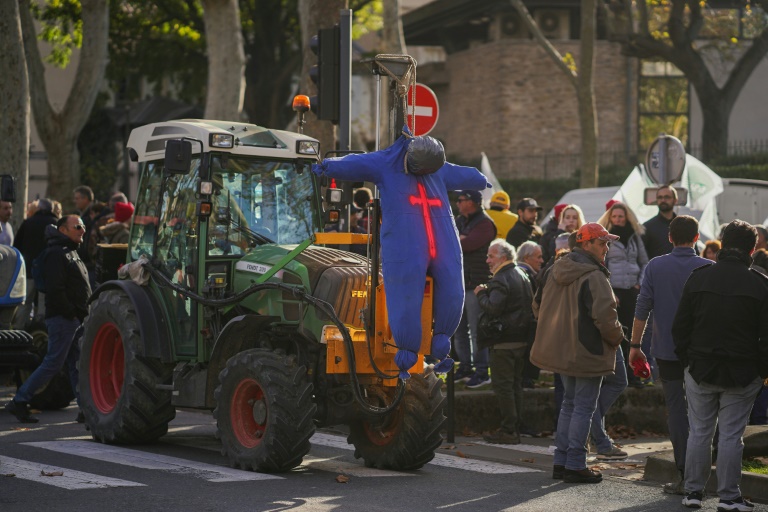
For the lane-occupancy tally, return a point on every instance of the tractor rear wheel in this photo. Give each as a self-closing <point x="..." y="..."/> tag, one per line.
<point x="264" y="411"/>
<point x="119" y="392"/>
<point x="406" y="438"/>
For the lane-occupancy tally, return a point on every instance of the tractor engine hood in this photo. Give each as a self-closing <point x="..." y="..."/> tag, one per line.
<point x="337" y="277"/>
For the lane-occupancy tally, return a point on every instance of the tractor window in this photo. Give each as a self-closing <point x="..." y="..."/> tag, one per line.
<point x="256" y="202"/>
<point x="176" y="227"/>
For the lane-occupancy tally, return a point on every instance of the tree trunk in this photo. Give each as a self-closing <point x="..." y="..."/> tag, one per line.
<point x="14" y="106"/>
<point x="59" y="130"/>
<point x="685" y="20"/>
<point x="586" y="97"/>
<point x="226" y="60"/>
<point x="582" y="82"/>
<point x="314" y="15"/>
<point x="714" y="133"/>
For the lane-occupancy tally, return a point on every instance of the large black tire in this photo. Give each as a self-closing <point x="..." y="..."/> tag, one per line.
<point x="408" y="437"/>
<point x="264" y="411"/>
<point x="119" y="392"/>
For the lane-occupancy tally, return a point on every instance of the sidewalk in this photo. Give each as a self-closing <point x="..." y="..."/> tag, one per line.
<point x="537" y="453"/>
<point x="650" y="459"/>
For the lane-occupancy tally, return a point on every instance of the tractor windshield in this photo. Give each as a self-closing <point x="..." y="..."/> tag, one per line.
<point x="258" y="201"/>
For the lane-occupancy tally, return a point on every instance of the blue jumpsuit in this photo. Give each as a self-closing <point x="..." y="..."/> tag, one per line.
<point x="414" y="245"/>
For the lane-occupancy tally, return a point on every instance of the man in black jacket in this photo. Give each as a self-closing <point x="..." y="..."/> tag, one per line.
<point x="506" y="302"/>
<point x="656" y="238"/>
<point x="721" y="337"/>
<point x="476" y="232"/>
<point x="525" y="228"/>
<point x="66" y="301"/>
<point x="30" y="240"/>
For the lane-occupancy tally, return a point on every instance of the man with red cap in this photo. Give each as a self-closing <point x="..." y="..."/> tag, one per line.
<point x="578" y="340"/>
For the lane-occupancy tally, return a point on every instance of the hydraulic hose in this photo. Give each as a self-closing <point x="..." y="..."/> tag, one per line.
<point x="298" y="294"/>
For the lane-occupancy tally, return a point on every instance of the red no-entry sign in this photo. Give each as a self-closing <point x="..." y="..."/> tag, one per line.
<point x="426" y="110"/>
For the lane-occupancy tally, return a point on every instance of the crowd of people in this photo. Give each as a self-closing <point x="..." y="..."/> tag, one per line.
<point x="617" y="304"/>
<point x="60" y="254"/>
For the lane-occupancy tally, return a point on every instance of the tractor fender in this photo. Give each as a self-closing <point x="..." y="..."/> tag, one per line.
<point x="153" y="326"/>
<point x="240" y="333"/>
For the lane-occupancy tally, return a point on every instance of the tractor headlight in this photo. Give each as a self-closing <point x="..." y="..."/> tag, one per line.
<point x="308" y="147"/>
<point x="222" y="140"/>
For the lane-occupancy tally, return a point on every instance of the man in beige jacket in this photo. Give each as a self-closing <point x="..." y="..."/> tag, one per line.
<point x="577" y="336"/>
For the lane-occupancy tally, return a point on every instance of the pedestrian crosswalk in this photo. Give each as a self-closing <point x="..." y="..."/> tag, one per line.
<point x="334" y="462"/>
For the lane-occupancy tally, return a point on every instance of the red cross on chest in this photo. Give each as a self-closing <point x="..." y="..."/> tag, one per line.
<point x="425" y="203"/>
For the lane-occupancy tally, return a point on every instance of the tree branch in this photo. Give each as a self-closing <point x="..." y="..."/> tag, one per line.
<point x="90" y="67"/>
<point x="544" y="42"/>
<point x="697" y="20"/>
<point x="745" y="66"/>
<point x="38" y="93"/>
<point x="644" y="26"/>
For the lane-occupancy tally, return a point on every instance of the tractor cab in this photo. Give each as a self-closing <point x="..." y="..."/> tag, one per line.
<point x="226" y="189"/>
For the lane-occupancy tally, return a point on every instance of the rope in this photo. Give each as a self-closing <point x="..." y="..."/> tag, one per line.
<point x="408" y="81"/>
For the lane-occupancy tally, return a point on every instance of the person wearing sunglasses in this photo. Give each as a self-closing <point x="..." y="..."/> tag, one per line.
<point x="65" y="282"/>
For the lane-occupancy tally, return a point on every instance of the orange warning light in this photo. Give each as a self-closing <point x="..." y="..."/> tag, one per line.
<point x="300" y="103"/>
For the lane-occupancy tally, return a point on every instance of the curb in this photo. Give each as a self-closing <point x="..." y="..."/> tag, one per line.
<point x="661" y="468"/>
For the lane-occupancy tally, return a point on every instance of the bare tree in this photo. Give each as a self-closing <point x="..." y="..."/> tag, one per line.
<point x="14" y="105"/>
<point x="226" y="60"/>
<point x="59" y="130"/>
<point x="314" y="15"/>
<point x="670" y="31"/>
<point x="581" y="79"/>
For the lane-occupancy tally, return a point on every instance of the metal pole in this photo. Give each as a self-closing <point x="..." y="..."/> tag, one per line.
<point x="663" y="159"/>
<point x="345" y="79"/>
<point x="378" y="110"/>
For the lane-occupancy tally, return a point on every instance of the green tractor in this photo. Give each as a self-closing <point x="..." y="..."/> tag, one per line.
<point x="236" y="304"/>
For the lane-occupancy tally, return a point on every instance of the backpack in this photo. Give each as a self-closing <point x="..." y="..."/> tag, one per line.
<point x="38" y="275"/>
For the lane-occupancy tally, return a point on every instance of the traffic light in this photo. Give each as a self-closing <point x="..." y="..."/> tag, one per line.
<point x="325" y="74"/>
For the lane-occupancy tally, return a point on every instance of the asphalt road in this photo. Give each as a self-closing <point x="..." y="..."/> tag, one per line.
<point x="185" y="471"/>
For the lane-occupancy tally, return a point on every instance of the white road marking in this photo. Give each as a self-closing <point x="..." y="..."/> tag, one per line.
<point x="528" y="448"/>
<point x="447" y="461"/>
<point x="332" y="465"/>
<point x="70" y="479"/>
<point x="144" y="460"/>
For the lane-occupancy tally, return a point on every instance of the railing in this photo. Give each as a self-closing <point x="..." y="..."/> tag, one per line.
<point x="736" y="148"/>
<point x="556" y="166"/>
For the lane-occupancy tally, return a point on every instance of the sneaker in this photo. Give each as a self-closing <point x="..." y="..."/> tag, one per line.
<point x="478" y="380"/>
<point x="740" y="503"/>
<point x="528" y="432"/>
<point x="693" y="500"/>
<point x="615" y="453"/>
<point x="80" y="417"/>
<point x="21" y="411"/>
<point x="674" y="487"/>
<point x="463" y="374"/>
<point x="501" y="437"/>
<point x="582" y="476"/>
<point x="557" y="472"/>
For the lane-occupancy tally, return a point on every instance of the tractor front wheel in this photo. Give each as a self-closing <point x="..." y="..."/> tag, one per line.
<point x="406" y="438"/>
<point x="264" y="411"/>
<point x="119" y="392"/>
